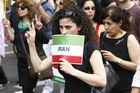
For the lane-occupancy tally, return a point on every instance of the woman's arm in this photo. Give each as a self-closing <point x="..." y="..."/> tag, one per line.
<point x="38" y="64"/>
<point x="9" y="32"/>
<point x="97" y="79"/>
<point x="41" y="33"/>
<point x="134" y="54"/>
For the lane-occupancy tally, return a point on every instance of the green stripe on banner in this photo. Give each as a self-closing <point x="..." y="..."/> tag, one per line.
<point x="58" y="79"/>
<point x="77" y="40"/>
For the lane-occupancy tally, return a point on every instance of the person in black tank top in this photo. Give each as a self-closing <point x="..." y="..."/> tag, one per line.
<point x="120" y="47"/>
<point x="73" y="21"/>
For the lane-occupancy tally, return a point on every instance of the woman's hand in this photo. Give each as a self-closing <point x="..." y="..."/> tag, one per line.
<point x="66" y="66"/>
<point x="109" y="56"/>
<point x="38" y="24"/>
<point x="30" y="35"/>
<point x="6" y="23"/>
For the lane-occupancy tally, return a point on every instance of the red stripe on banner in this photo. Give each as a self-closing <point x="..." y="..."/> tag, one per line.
<point x="71" y="59"/>
<point x="55" y="66"/>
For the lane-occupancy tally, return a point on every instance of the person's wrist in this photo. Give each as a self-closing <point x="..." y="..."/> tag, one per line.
<point x="119" y="61"/>
<point x="6" y="29"/>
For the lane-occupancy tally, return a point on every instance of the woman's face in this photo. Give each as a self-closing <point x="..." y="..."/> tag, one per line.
<point x="22" y="10"/>
<point x="112" y="28"/>
<point x="68" y="27"/>
<point x="89" y="8"/>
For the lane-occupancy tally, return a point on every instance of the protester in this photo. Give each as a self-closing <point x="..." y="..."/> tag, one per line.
<point x="94" y="11"/>
<point x="120" y="47"/>
<point x="26" y="14"/>
<point x="72" y="20"/>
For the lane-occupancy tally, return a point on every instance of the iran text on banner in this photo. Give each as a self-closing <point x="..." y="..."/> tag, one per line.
<point x="69" y="47"/>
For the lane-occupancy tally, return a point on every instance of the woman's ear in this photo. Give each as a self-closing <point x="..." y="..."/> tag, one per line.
<point x="79" y="28"/>
<point x="120" y="23"/>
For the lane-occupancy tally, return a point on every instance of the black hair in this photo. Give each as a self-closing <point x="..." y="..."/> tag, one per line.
<point x="99" y="9"/>
<point x="117" y="15"/>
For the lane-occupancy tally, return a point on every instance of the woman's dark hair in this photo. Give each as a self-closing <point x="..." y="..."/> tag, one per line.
<point x="78" y="16"/>
<point x="118" y="15"/>
<point x="30" y="7"/>
<point x="98" y="6"/>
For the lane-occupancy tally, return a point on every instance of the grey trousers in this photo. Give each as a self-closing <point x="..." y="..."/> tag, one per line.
<point x="3" y="78"/>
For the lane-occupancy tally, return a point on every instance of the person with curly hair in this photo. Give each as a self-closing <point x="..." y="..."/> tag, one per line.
<point x="72" y="20"/>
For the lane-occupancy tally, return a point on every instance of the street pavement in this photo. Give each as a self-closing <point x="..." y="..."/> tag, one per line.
<point x="10" y="67"/>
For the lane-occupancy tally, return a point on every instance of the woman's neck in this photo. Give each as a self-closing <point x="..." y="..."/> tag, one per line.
<point x="26" y="20"/>
<point x="118" y="35"/>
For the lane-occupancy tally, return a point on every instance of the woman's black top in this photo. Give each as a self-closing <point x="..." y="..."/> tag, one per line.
<point x="120" y="49"/>
<point x="73" y="84"/>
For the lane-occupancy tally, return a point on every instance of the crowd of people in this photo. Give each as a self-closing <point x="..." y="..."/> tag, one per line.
<point x="111" y="29"/>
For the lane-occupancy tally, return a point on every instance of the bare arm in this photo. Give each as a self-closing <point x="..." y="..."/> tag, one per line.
<point x="9" y="31"/>
<point x="97" y="79"/>
<point x="38" y="64"/>
<point x="134" y="53"/>
<point x="45" y="16"/>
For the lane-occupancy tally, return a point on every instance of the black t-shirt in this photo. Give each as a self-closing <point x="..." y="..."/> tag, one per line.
<point x="73" y="84"/>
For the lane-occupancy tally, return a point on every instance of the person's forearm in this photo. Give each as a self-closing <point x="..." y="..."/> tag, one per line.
<point x="36" y="61"/>
<point x="91" y="79"/>
<point x="127" y="64"/>
<point x="38" y="64"/>
<point x="9" y="33"/>
<point x="44" y="15"/>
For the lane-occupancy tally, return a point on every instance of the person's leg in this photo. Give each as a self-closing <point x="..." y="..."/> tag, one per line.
<point x="25" y="80"/>
<point x="27" y="90"/>
<point x="3" y="78"/>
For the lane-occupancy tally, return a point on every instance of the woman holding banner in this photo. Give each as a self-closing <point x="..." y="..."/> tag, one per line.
<point x="73" y="21"/>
